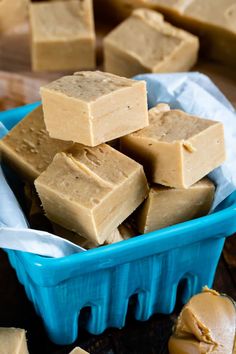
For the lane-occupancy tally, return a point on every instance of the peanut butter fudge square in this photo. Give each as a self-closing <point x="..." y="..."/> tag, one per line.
<point x="169" y="206"/>
<point x="93" y="107"/>
<point x="63" y="36"/>
<point x="146" y="43"/>
<point x="176" y="149"/>
<point x="91" y="191"/>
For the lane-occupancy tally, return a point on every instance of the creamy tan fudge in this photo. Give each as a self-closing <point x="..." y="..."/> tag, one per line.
<point x="28" y="149"/>
<point x="78" y="350"/>
<point x="146" y="43"/>
<point x="63" y="36"/>
<point x="206" y="325"/>
<point x="12" y="13"/>
<point x="169" y="206"/>
<point x="176" y="149"/>
<point x="13" y="341"/>
<point x="94" y="107"/>
<point x="91" y="191"/>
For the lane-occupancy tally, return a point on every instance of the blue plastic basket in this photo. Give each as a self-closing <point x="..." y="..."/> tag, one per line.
<point x="103" y="279"/>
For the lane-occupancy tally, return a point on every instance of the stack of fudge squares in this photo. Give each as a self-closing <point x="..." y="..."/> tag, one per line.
<point x="97" y="156"/>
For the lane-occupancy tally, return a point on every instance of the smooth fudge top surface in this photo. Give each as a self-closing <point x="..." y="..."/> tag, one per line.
<point x="88" y="86"/>
<point x="62" y="20"/>
<point x="147" y="29"/>
<point x="94" y="172"/>
<point x="172" y="125"/>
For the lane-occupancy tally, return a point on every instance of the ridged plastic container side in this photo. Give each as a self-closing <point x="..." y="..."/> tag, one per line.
<point x="156" y="268"/>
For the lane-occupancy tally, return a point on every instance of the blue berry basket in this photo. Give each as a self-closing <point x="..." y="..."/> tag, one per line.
<point x="151" y="266"/>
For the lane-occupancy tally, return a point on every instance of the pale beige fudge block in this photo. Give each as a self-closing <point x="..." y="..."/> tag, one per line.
<point x="28" y="149"/>
<point x="145" y="43"/>
<point x="91" y="191"/>
<point x="13" y="341"/>
<point x="176" y="149"/>
<point x="63" y="36"/>
<point x="12" y="13"/>
<point x="94" y="107"/>
<point x="169" y="206"/>
<point x="78" y="350"/>
<point x="207" y="324"/>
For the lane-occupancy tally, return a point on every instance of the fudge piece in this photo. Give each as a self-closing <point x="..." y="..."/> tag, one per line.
<point x="91" y="191"/>
<point x="12" y="13"/>
<point x="28" y="149"/>
<point x="145" y="43"/>
<point x="169" y="206"/>
<point x="13" y="341"/>
<point x="205" y="325"/>
<point x="63" y="36"/>
<point x="94" y="107"/>
<point x="176" y="149"/>
<point x="78" y="350"/>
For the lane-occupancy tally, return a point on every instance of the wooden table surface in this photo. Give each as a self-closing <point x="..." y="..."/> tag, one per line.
<point x="18" y="85"/>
